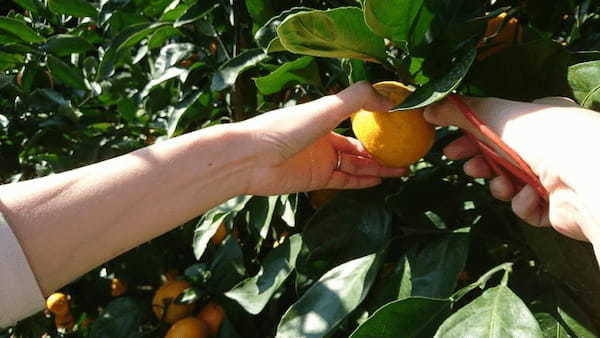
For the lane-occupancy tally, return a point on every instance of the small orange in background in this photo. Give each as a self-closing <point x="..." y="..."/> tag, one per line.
<point x="220" y="235"/>
<point x="496" y="38"/>
<point x="189" y="327"/>
<point x="118" y="287"/>
<point x="58" y="304"/>
<point x="163" y="303"/>
<point x="212" y="314"/>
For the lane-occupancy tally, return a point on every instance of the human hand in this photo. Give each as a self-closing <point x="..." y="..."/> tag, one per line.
<point x="553" y="136"/>
<point x="296" y="149"/>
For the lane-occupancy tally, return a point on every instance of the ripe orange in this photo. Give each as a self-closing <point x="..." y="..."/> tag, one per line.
<point x="496" y="40"/>
<point x="163" y="303"/>
<point x="394" y="139"/>
<point x="189" y="327"/>
<point x="118" y="287"/>
<point x="58" y="303"/>
<point x="212" y="314"/>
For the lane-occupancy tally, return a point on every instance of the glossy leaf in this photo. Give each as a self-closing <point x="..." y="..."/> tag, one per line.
<point x="260" y="213"/>
<point x="19" y="29"/>
<point x="77" y="8"/>
<point x="254" y="293"/>
<point x="195" y="13"/>
<point x="498" y="312"/>
<point x="399" y="20"/>
<point x="437" y="89"/>
<point x="230" y="70"/>
<point x="66" y="73"/>
<point x="301" y="71"/>
<point x="169" y="74"/>
<point x="335" y="295"/>
<point x="227" y="267"/>
<point x="411" y="317"/>
<point x="331" y="234"/>
<point x="131" y="314"/>
<point x="64" y="44"/>
<point x="335" y="33"/>
<point x="551" y="327"/>
<point x="583" y="80"/>
<point x="213" y="218"/>
<point x="266" y="36"/>
<point x="179" y="110"/>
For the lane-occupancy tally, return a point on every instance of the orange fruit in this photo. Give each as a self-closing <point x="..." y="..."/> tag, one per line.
<point x="394" y="139"/>
<point x="163" y="303"/>
<point x="65" y="322"/>
<point x="117" y="287"/>
<point x="319" y="197"/>
<point x="189" y="327"/>
<point x="58" y="303"/>
<point x="496" y="38"/>
<point x="212" y="314"/>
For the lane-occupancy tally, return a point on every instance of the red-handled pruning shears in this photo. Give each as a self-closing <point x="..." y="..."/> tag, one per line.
<point x="518" y="172"/>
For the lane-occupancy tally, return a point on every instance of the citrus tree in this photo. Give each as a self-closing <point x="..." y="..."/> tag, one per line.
<point x="432" y="254"/>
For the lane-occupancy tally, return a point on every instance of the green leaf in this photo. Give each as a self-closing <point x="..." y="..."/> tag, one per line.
<point x="260" y="213"/>
<point x="410" y="317"/>
<point x="179" y="110"/>
<point x="584" y="80"/>
<point x="20" y="29"/>
<point x="399" y="20"/>
<point x="434" y="268"/>
<point x="266" y="36"/>
<point x="77" y="8"/>
<point x="34" y="6"/>
<point x="335" y="33"/>
<point x="437" y="89"/>
<point x="335" y="295"/>
<point x="227" y="267"/>
<point x="254" y="293"/>
<point x="551" y="327"/>
<point x="127" y="38"/>
<point x="498" y="312"/>
<point x="169" y="74"/>
<point x="230" y="70"/>
<point x="130" y="313"/>
<point x="65" y="73"/>
<point x="331" y="234"/>
<point x="208" y="225"/>
<point x="301" y="71"/>
<point x="528" y="71"/>
<point x="195" y="13"/>
<point x="259" y="10"/>
<point x="64" y="44"/>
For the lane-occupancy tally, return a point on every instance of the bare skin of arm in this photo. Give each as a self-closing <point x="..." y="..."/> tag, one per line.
<point x="558" y="140"/>
<point x="71" y="222"/>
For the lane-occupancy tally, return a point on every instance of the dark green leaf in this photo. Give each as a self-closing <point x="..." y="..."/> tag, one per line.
<point x="77" y="8"/>
<point x="584" y="80"/>
<point x="213" y="218"/>
<point x="34" y="6"/>
<point x="399" y="20"/>
<point x="20" y="29"/>
<point x="331" y="234"/>
<point x="64" y="44"/>
<point x="434" y="268"/>
<point x="437" y="89"/>
<point x="260" y="213"/>
<point x="330" y="299"/>
<point x="65" y="73"/>
<point x="551" y="327"/>
<point x="130" y="313"/>
<point x="196" y="12"/>
<point x="227" y="267"/>
<point x="179" y="110"/>
<point x="301" y="71"/>
<point x="411" y="318"/>
<point x="254" y="293"/>
<point x="229" y="71"/>
<point x="169" y="74"/>
<point x="267" y="34"/>
<point x="259" y="10"/>
<point x="498" y="312"/>
<point x="336" y="33"/>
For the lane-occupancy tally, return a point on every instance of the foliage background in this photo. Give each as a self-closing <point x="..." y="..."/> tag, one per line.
<point x="83" y="81"/>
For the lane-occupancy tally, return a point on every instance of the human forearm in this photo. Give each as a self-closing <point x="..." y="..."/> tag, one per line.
<point x="71" y="222"/>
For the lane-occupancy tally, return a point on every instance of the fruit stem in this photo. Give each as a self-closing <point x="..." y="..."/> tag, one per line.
<point x="521" y="172"/>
